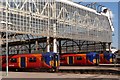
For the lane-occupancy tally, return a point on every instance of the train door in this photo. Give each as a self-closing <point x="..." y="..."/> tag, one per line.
<point x="97" y="59"/>
<point x="23" y="65"/>
<point x="70" y="60"/>
<point x="56" y="60"/>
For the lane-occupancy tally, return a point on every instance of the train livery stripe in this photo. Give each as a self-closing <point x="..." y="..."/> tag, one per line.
<point x="19" y="62"/>
<point x="56" y="63"/>
<point x="59" y="62"/>
<point x="51" y="63"/>
<point x="111" y="60"/>
<point x="94" y="61"/>
<point x="67" y="60"/>
<point x="37" y="56"/>
<point x="73" y="59"/>
<point x="26" y="62"/>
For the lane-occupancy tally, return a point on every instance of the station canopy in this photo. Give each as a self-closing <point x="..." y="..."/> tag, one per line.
<point x="54" y="18"/>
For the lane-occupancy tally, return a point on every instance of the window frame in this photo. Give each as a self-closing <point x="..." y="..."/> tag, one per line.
<point x="79" y="58"/>
<point x="32" y="59"/>
<point x="62" y="58"/>
<point x="13" y="60"/>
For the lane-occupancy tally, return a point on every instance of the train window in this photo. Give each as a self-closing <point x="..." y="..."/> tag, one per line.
<point x="52" y="58"/>
<point x="79" y="58"/>
<point x="33" y="59"/>
<point x="63" y="58"/>
<point x="13" y="60"/>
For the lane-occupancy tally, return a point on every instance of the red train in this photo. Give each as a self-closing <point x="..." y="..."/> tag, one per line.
<point x="91" y="58"/>
<point x="79" y="59"/>
<point x="106" y="58"/>
<point x="52" y="61"/>
<point x="29" y="61"/>
<point x="3" y="60"/>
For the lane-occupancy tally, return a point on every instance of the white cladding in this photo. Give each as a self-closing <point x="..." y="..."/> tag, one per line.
<point x="73" y="21"/>
<point x="108" y="14"/>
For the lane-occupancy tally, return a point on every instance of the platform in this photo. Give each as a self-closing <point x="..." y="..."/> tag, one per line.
<point x="88" y="68"/>
<point x="58" y="75"/>
<point x="110" y="65"/>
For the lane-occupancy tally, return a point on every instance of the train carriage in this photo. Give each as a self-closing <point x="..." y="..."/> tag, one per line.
<point x="79" y="59"/>
<point x="48" y="60"/>
<point x="73" y="59"/>
<point x="51" y="60"/>
<point x="92" y="58"/>
<point x="107" y="58"/>
<point x="3" y="60"/>
<point x="22" y="61"/>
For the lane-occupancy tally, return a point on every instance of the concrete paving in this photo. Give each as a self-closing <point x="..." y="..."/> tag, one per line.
<point x="89" y="67"/>
<point x="55" y="75"/>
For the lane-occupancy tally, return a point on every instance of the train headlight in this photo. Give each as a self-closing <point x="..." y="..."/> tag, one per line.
<point x="50" y="63"/>
<point x="111" y="60"/>
<point x="94" y="60"/>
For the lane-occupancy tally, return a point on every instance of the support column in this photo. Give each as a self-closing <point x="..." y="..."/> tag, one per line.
<point x="104" y="47"/>
<point x="0" y="44"/>
<point x="54" y="39"/>
<point x="48" y="44"/>
<point x="18" y="49"/>
<point x="55" y="45"/>
<point x="109" y="47"/>
<point x="36" y="43"/>
<point x="59" y="46"/>
<point x="8" y="50"/>
<point x="87" y="46"/>
<point x="0" y="53"/>
<point x="29" y="47"/>
<point x="79" y="46"/>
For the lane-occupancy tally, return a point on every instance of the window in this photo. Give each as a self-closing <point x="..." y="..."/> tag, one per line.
<point x="13" y="60"/>
<point x="79" y="58"/>
<point x="33" y="59"/>
<point x="63" y="58"/>
<point x="51" y="57"/>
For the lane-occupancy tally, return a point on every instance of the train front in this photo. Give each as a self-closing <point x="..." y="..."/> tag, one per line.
<point x="92" y="58"/>
<point x="51" y="61"/>
<point x="109" y="58"/>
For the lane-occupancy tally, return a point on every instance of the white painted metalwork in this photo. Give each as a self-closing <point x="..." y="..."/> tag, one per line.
<point x="72" y="21"/>
<point x="54" y="40"/>
<point x="48" y="44"/>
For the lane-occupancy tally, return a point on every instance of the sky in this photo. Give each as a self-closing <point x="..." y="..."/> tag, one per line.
<point x="113" y="6"/>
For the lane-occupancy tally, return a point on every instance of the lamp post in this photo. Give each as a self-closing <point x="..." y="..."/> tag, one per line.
<point x="6" y="23"/>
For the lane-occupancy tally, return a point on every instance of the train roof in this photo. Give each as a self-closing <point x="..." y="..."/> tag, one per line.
<point x="72" y="54"/>
<point x="49" y="53"/>
<point x="92" y="53"/>
<point x="108" y="14"/>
